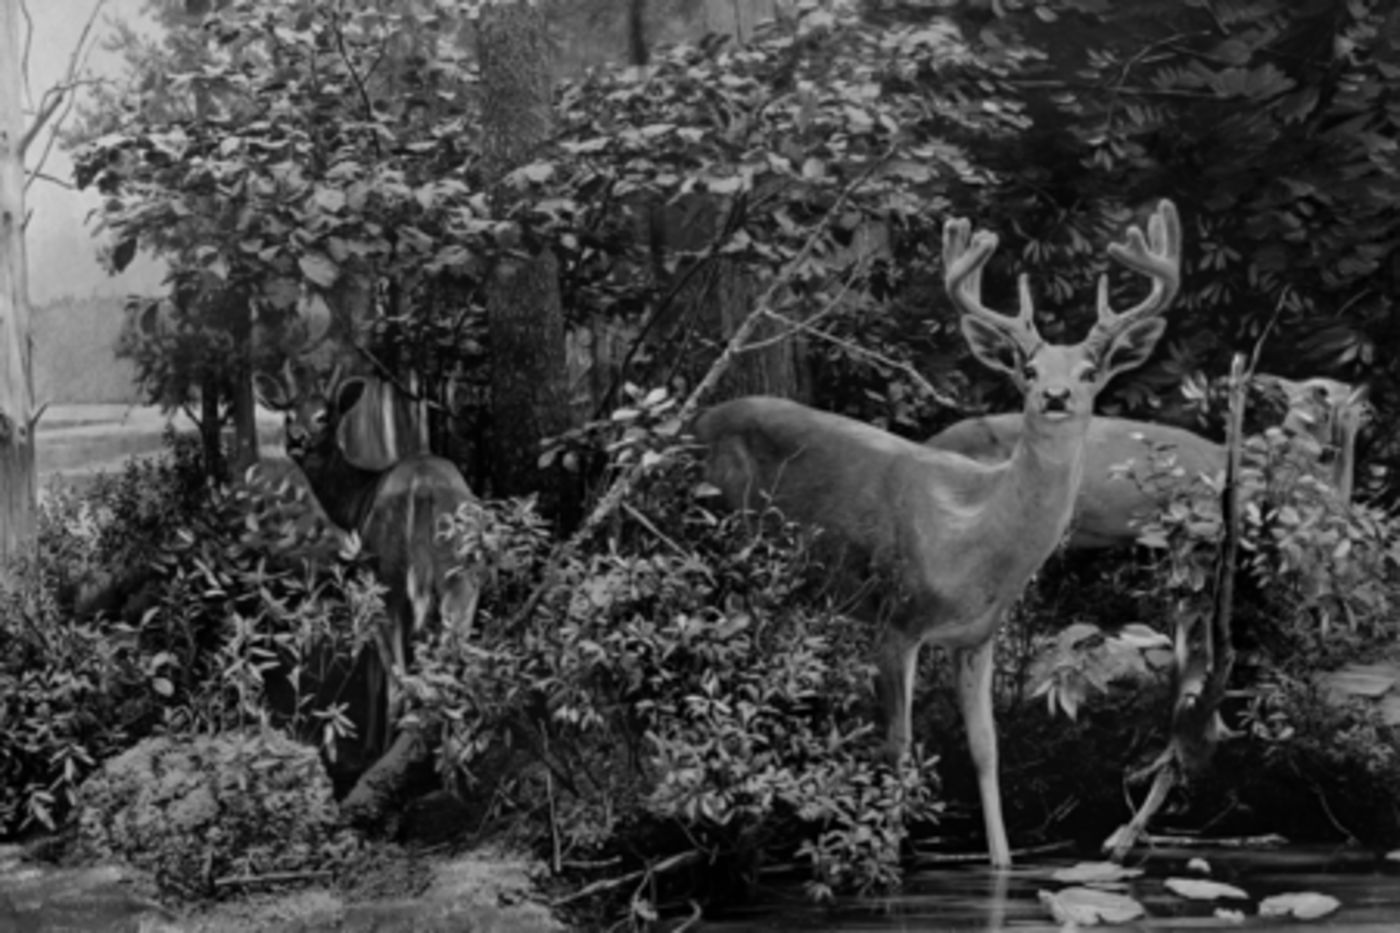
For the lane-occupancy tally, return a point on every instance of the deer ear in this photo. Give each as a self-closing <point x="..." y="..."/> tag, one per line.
<point x="994" y="346"/>
<point x="348" y="395"/>
<point x="271" y="392"/>
<point x="364" y="436"/>
<point x="1131" y="346"/>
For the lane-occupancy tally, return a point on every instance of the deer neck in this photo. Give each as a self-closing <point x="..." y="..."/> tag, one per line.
<point x="1045" y="470"/>
<point x="346" y="491"/>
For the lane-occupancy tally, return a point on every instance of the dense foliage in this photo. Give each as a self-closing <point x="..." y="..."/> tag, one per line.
<point x="159" y="605"/>
<point x="686" y="693"/>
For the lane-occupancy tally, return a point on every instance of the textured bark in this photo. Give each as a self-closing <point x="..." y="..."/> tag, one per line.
<point x="211" y="428"/>
<point x="526" y="322"/>
<point x="717" y="300"/>
<point x="16" y="375"/>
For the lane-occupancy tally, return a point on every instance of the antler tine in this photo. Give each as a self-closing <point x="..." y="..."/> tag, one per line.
<point x="965" y="254"/>
<point x="1158" y="257"/>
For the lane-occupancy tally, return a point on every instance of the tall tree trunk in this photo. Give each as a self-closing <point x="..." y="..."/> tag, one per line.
<point x="638" y="49"/>
<point x="211" y="426"/>
<point x="525" y="317"/>
<point x="16" y="376"/>
<point x="242" y="408"/>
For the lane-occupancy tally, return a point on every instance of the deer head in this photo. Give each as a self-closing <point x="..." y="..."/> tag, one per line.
<point x="1060" y="382"/>
<point x="330" y="418"/>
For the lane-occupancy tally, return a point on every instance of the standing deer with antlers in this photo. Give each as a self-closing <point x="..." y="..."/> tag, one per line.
<point x="1123" y="486"/>
<point x="335" y="430"/>
<point x="960" y="539"/>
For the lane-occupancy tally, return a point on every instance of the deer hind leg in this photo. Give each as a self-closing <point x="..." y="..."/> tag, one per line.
<point x="974" y="673"/>
<point x="461" y="592"/>
<point x="896" y="661"/>
<point x="379" y="680"/>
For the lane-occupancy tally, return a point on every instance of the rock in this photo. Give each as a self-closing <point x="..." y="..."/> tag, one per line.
<point x="195" y="811"/>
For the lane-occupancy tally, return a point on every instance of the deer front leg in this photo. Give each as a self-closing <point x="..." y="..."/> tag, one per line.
<point x="896" y="662"/>
<point x="974" y="672"/>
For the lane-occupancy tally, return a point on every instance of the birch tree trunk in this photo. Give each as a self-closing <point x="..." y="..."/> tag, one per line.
<point x="529" y="383"/>
<point x="16" y="377"/>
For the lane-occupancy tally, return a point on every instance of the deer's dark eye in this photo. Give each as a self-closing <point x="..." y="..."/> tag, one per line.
<point x="1089" y="374"/>
<point x="1028" y="372"/>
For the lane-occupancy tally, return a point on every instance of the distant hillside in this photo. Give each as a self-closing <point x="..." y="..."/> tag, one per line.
<point x="75" y="352"/>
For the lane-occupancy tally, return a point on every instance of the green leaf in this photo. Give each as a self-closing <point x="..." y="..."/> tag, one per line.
<point x="319" y="268"/>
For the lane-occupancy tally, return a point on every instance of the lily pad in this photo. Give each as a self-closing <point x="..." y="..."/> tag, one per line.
<point x="1094" y="873"/>
<point x="1198" y="865"/>
<point x="1199" y="889"/>
<point x="1305" y="905"/>
<point x="1090" y="906"/>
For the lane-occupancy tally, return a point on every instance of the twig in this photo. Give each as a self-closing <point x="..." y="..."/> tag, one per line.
<point x="556" y="852"/>
<point x="1125" y="837"/>
<point x="680" y="860"/>
<point x="1265" y="841"/>
<point x="972" y="858"/>
<point x="691" y="922"/>
<point x="649" y="525"/>
<point x="75" y="62"/>
<point x="914" y="375"/>
<point x="1268" y="327"/>
<point x="595" y="865"/>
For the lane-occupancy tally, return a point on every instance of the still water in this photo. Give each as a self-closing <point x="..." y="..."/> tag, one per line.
<point x="978" y="899"/>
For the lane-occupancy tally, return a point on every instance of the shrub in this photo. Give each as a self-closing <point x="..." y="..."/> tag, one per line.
<point x="71" y="693"/>
<point x="156" y="602"/>
<point x="1322" y="577"/>
<point x="687" y="688"/>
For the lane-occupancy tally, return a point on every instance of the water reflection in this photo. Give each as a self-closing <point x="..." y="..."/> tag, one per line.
<point x="978" y="899"/>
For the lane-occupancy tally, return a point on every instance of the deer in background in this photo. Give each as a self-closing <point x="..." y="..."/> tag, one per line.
<point x="958" y="538"/>
<point x="336" y="432"/>
<point x="1323" y="415"/>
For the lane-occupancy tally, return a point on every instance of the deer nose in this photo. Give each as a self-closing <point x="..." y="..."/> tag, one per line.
<point x="1056" y="398"/>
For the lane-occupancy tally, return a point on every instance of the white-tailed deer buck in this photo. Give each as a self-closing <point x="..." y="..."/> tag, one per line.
<point x="333" y="431"/>
<point x="1323" y="414"/>
<point x="958" y="539"/>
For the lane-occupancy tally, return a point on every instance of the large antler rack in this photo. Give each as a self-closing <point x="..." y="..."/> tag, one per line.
<point x="965" y="254"/>
<point x="1157" y="256"/>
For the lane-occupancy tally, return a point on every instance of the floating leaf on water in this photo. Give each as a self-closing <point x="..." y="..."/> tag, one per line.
<point x="1305" y="905"/>
<point x="1198" y="864"/>
<point x="1088" y="906"/>
<point x="1198" y="889"/>
<point x="1229" y="914"/>
<point x="1094" y="873"/>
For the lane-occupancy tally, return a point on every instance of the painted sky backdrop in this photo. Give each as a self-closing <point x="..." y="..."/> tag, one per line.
<point x="62" y="250"/>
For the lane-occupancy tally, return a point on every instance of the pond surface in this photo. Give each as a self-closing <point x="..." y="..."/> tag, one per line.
<point x="976" y="898"/>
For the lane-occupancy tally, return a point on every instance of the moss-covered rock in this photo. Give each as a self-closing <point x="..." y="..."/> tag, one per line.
<point x="192" y="811"/>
